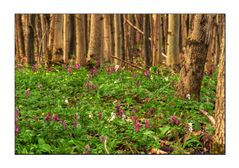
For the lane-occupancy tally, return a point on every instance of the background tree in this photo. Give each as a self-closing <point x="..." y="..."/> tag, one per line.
<point x="117" y="38"/>
<point x="173" y="41"/>
<point x="94" y="50"/>
<point x="146" y="42"/>
<point x="80" y="39"/>
<point x="107" y="38"/>
<point x="66" y="23"/>
<point x="191" y="74"/>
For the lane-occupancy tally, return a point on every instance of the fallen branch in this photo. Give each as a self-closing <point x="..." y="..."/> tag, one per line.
<point x="133" y="65"/>
<point x="210" y="118"/>
<point x="136" y="28"/>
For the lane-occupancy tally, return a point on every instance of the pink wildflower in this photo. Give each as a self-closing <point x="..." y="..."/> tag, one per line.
<point x="55" y="117"/>
<point x="147" y="123"/>
<point x="77" y="66"/>
<point x="137" y="126"/>
<point x="69" y="70"/>
<point x="63" y="123"/>
<point x="27" y="92"/>
<point x="48" y="117"/>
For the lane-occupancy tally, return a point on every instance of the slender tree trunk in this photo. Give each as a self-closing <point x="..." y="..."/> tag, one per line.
<point x="30" y="40"/>
<point x="107" y="38"/>
<point x="183" y="33"/>
<point x="132" y="38"/>
<point x="164" y="32"/>
<point x="173" y="42"/>
<point x="66" y="22"/>
<point x="191" y="74"/>
<point x="51" y="39"/>
<point x="146" y="42"/>
<point x="94" y="51"/>
<point x="218" y="146"/>
<point x="43" y="42"/>
<point x="80" y="39"/>
<point x="117" y="38"/>
<point x="157" y="40"/>
<point x="20" y="36"/>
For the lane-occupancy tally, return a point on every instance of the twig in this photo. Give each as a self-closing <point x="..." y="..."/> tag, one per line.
<point x="105" y="142"/>
<point x="210" y="118"/>
<point x="136" y="28"/>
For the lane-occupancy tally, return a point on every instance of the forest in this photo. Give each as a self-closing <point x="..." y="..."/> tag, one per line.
<point x="120" y="84"/>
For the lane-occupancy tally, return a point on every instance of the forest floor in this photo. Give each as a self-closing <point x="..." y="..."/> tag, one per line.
<point x="108" y="110"/>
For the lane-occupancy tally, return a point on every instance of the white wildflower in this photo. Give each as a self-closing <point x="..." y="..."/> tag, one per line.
<point x="113" y="115"/>
<point x="90" y="115"/>
<point x="66" y="101"/>
<point x="190" y="127"/>
<point x="116" y="68"/>
<point x="188" y="96"/>
<point x="166" y="78"/>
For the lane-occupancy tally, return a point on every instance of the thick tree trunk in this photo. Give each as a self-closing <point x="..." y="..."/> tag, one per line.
<point x="156" y="40"/>
<point x="173" y="42"/>
<point x="218" y="146"/>
<point x="146" y="42"/>
<point x="80" y="39"/>
<point x="94" y="51"/>
<point x="43" y="42"/>
<point x="191" y="74"/>
<point x="107" y="38"/>
<point x="58" y="39"/>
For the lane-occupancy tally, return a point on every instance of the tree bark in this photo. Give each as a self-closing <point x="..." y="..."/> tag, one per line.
<point x="218" y="146"/>
<point x="146" y="42"/>
<point x="30" y="40"/>
<point x="157" y="40"/>
<point x="51" y="40"/>
<point x="20" y="36"/>
<point x="107" y="38"/>
<point x="66" y="22"/>
<point x="94" y="51"/>
<point x="117" y="38"/>
<point x="173" y="42"/>
<point x="80" y="39"/>
<point x="191" y="74"/>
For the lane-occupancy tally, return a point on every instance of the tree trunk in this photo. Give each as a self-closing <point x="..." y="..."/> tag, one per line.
<point x="107" y="38"/>
<point x="80" y="39"/>
<point x="94" y="51"/>
<point x="173" y="42"/>
<point x="43" y="42"/>
<point x="20" y="36"/>
<point x="156" y="40"/>
<point x="51" y="40"/>
<point x="191" y="74"/>
<point x="66" y="22"/>
<point x="146" y="42"/>
<point x="30" y="40"/>
<point x="117" y="35"/>
<point x="218" y="146"/>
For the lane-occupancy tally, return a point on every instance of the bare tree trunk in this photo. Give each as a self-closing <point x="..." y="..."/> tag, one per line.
<point x="107" y="38"/>
<point x="132" y="38"/>
<point x="173" y="42"/>
<point x="80" y="39"/>
<point x="183" y="33"/>
<point x="43" y="42"/>
<point x="117" y="35"/>
<point x="66" y="22"/>
<point x="20" y="36"/>
<point x="218" y="146"/>
<point x="30" y="40"/>
<point x="51" y="40"/>
<point x="191" y="74"/>
<point x="146" y="42"/>
<point x="156" y="40"/>
<point x="94" y="51"/>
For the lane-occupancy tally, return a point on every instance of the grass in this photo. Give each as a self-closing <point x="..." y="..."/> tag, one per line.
<point x="66" y="110"/>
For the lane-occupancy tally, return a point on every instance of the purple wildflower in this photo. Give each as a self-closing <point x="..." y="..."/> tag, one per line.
<point x="48" y="117"/>
<point x="55" y="117"/>
<point x="27" y="92"/>
<point x="94" y="71"/>
<point x="17" y="113"/>
<point x="117" y="107"/>
<point x="94" y="87"/>
<point x="147" y="123"/>
<point x="151" y="110"/>
<point x="63" y="123"/>
<point x="77" y="66"/>
<point x="87" y="149"/>
<point x="146" y="73"/>
<point x="174" y="120"/>
<point x="137" y="125"/>
<point x="87" y="85"/>
<point x="120" y="113"/>
<point x="69" y="70"/>
<point x="17" y="129"/>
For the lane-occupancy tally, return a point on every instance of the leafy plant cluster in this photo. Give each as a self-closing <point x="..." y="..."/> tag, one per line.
<point x="108" y="110"/>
